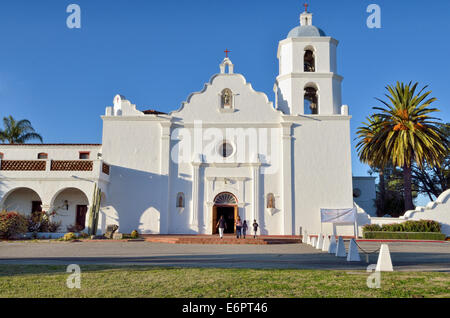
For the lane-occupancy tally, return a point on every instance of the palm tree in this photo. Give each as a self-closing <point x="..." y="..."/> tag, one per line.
<point x="366" y="154"/>
<point x="407" y="134"/>
<point x="18" y="132"/>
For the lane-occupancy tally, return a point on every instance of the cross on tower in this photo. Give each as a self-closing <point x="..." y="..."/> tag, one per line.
<point x="226" y="52"/>
<point x="306" y="7"/>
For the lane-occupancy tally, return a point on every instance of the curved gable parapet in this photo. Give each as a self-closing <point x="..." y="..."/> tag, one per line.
<point x="249" y="105"/>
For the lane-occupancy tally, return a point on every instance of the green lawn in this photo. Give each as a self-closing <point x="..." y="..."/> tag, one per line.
<point x="145" y="281"/>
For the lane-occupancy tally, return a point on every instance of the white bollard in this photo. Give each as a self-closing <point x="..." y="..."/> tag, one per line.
<point x="313" y="241"/>
<point x="384" y="263"/>
<point x="353" y="254"/>
<point x="332" y="248"/>
<point x="340" y="248"/>
<point x="326" y="243"/>
<point x="319" y="242"/>
<point x="305" y="238"/>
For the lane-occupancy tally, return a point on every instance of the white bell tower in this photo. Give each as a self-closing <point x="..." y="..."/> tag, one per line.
<point x="308" y="83"/>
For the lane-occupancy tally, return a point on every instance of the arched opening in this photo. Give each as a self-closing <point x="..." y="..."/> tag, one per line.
<point x="70" y="206"/>
<point x="227" y="99"/>
<point x="270" y="201"/>
<point x="22" y="200"/>
<point x="309" y="61"/>
<point x="180" y="200"/>
<point x="311" y="101"/>
<point x="225" y="204"/>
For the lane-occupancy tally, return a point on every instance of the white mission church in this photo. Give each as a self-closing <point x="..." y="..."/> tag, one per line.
<point x="227" y="150"/>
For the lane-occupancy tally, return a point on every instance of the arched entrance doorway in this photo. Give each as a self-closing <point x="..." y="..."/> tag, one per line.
<point x="71" y="208"/>
<point x="23" y="200"/>
<point x="225" y="204"/>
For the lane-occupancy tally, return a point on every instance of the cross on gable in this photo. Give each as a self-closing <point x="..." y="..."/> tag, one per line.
<point x="226" y="52"/>
<point x="306" y="7"/>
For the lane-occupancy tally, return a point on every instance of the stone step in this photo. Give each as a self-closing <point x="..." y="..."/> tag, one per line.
<point x="202" y="239"/>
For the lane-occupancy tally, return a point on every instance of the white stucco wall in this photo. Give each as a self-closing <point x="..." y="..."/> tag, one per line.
<point x="367" y="188"/>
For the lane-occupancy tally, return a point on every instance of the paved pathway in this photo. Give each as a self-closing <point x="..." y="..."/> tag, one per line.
<point x="405" y="256"/>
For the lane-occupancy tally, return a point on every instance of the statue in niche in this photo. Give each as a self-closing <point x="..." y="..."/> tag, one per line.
<point x="270" y="201"/>
<point x="227" y="98"/>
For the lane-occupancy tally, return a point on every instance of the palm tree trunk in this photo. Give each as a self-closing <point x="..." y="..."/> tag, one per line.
<point x="382" y="189"/>
<point x="407" y="184"/>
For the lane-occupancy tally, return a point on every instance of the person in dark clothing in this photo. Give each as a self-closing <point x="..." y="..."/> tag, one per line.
<point x="255" y="228"/>
<point x="221" y="225"/>
<point x="244" y="228"/>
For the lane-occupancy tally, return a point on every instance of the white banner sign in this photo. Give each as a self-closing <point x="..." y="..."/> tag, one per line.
<point x="338" y="215"/>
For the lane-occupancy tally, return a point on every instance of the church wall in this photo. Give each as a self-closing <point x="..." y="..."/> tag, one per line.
<point x="235" y="176"/>
<point x="271" y="221"/>
<point x="137" y="194"/>
<point x="249" y="106"/>
<point x="322" y="170"/>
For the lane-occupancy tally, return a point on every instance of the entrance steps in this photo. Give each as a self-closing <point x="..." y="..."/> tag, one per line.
<point x="215" y="239"/>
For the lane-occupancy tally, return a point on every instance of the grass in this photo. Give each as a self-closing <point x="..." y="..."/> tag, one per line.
<point x="145" y="281"/>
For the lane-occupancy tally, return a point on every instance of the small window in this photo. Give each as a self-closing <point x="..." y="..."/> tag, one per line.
<point x="42" y="155"/>
<point x="226" y="149"/>
<point x="84" y="155"/>
<point x="270" y="201"/>
<point x="180" y="200"/>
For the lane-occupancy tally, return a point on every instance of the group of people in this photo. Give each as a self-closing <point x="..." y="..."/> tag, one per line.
<point x="241" y="227"/>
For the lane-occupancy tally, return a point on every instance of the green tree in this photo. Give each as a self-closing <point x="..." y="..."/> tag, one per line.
<point x="366" y="154"/>
<point x="406" y="134"/>
<point x="432" y="181"/>
<point x="18" y="132"/>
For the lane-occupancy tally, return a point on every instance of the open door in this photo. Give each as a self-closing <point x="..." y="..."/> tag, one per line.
<point x="80" y="217"/>
<point x="214" y="220"/>
<point x="236" y="213"/>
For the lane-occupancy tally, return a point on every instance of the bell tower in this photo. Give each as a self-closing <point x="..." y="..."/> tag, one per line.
<point x="308" y="83"/>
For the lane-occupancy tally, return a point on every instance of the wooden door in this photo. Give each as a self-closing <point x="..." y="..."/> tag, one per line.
<point x="36" y="206"/>
<point x="80" y="219"/>
<point x="214" y="220"/>
<point x="236" y="213"/>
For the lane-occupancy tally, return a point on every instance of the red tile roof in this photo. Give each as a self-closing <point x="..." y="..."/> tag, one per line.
<point x="153" y="112"/>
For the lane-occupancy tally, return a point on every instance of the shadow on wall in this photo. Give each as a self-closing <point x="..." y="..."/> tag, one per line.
<point x="140" y="200"/>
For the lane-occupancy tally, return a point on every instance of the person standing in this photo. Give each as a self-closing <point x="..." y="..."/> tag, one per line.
<point x="255" y="228"/>
<point x="221" y="225"/>
<point x="244" y="228"/>
<point x="238" y="227"/>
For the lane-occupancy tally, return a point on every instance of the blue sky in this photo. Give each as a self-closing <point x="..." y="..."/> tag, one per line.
<point x="157" y="52"/>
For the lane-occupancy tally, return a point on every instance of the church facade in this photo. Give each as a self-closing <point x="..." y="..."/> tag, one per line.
<point x="228" y="150"/>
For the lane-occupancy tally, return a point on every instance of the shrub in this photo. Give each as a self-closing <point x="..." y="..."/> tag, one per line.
<point x="371" y="227"/>
<point x="40" y="222"/>
<point x="424" y="226"/>
<point x="69" y="236"/>
<point x="12" y="224"/>
<point x="405" y="235"/>
<point x="395" y="227"/>
<point x="134" y="234"/>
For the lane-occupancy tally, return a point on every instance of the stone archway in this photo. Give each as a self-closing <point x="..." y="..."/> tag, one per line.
<point x="225" y="203"/>
<point x="23" y="200"/>
<point x="71" y="207"/>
